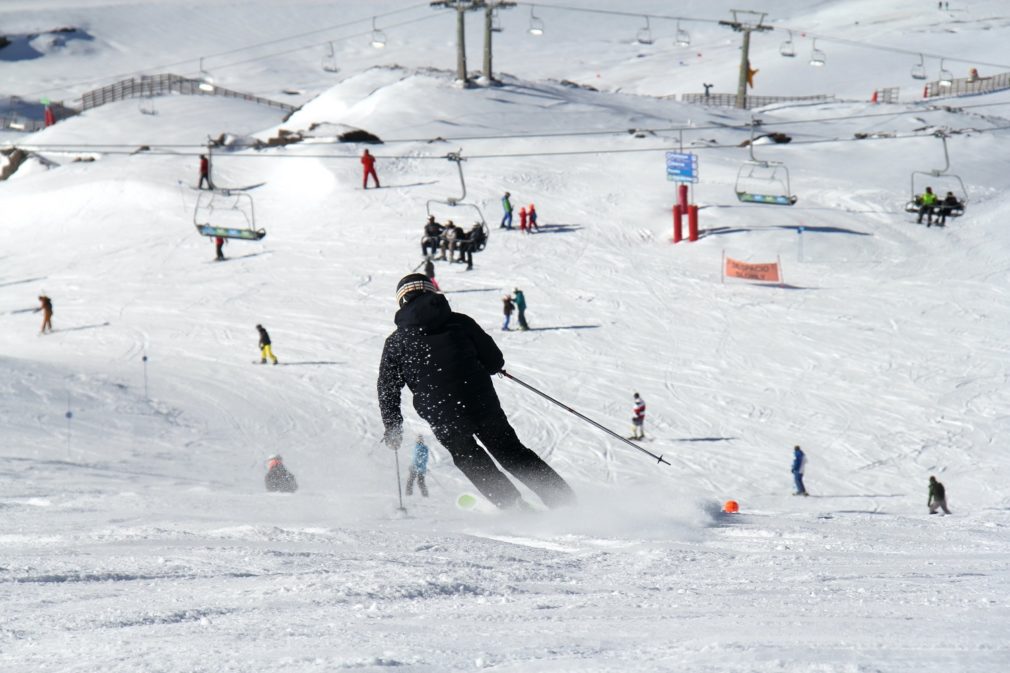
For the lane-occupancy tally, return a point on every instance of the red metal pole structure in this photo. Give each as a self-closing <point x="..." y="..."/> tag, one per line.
<point x="682" y="196"/>
<point x="692" y="223"/>
<point x="677" y="223"/>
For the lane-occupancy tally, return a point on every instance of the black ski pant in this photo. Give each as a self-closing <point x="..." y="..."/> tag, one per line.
<point x="500" y="443"/>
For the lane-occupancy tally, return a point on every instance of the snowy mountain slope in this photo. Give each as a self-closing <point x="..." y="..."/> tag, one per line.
<point x="138" y="536"/>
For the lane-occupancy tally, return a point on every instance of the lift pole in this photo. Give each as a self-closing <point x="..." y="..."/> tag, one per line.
<point x="746" y="22"/>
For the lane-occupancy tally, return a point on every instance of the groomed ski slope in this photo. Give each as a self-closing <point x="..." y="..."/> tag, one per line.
<point x="137" y="535"/>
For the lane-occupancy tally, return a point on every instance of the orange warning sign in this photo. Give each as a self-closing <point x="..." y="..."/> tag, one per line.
<point x="765" y="272"/>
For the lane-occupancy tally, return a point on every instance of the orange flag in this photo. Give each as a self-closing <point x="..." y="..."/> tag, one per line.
<point x="764" y="272"/>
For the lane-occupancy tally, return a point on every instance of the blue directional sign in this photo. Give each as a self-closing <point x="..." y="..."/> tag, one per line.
<point x="681" y="167"/>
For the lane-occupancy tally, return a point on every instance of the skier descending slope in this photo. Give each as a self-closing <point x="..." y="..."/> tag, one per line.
<point x="447" y="361"/>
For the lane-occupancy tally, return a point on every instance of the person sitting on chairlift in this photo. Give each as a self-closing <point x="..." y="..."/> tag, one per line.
<point x="926" y="202"/>
<point x="949" y="204"/>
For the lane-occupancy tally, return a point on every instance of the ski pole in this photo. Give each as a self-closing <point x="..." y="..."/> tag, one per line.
<point x="399" y="491"/>
<point x="659" y="459"/>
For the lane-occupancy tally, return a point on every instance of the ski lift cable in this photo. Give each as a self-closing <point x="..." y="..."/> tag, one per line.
<point x="164" y="149"/>
<point x="187" y="61"/>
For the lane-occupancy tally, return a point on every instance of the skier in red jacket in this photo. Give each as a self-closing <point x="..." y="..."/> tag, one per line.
<point x="368" y="166"/>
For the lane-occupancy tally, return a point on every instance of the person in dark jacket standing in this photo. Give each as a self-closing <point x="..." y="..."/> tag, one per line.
<point x="368" y="168"/>
<point x="266" y="348"/>
<point x="507" y="308"/>
<point x="799" y="464"/>
<point x="937" y="497"/>
<point x="279" y="478"/>
<point x="447" y="360"/>
<point x="520" y="301"/>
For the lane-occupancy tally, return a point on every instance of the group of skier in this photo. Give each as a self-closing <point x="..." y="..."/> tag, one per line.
<point x="527" y="215"/>
<point x="511" y="303"/>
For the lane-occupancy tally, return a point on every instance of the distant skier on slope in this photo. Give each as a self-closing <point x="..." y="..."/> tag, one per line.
<point x="46" y="306"/>
<point x="368" y="168"/>
<point x="266" y="346"/>
<point x="532" y="212"/>
<point x="799" y="465"/>
<point x="204" y="173"/>
<point x="506" y="204"/>
<point x="638" y="418"/>
<point x="447" y="360"/>
<point x="520" y="302"/>
<point x="937" y="497"/>
<point x="418" y="468"/>
<point x="279" y="478"/>
<point x="219" y="248"/>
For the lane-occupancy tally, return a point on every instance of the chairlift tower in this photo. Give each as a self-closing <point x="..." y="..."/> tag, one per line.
<point x="745" y="21"/>
<point x="461" y="7"/>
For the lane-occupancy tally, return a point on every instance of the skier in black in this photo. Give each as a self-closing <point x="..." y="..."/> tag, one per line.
<point x="447" y="361"/>
<point x="937" y="497"/>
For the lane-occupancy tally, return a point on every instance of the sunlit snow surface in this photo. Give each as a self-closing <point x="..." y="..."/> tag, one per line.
<point x="136" y="534"/>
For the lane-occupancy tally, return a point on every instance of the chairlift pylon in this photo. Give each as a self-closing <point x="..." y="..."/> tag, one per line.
<point x="228" y="214"/>
<point x="763" y="182"/>
<point x="919" y="70"/>
<point x="454" y="202"/>
<point x="943" y="174"/>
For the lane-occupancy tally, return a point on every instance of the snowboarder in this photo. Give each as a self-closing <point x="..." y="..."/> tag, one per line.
<point x="47" y="313"/>
<point x="418" y="467"/>
<point x="447" y="360"/>
<point x="432" y="234"/>
<point x="204" y="173"/>
<point x="507" y="309"/>
<point x="638" y="418"/>
<point x="532" y="211"/>
<point x="506" y="204"/>
<point x="278" y="477"/>
<point x="219" y="247"/>
<point x="368" y="168"/>
<point x="937" y="497"/>
<point x="266" y="349"/>
<point x="927" y="202"/>
<point x="522" y="219"/>
<point x="799" y="464"/>
<point x="520" y="300"/>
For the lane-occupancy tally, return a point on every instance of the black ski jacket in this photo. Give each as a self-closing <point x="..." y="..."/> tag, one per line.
<point x="446" y="360"/>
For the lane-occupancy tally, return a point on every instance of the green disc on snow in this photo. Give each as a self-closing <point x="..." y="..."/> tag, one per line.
<point x="466" y="501"/>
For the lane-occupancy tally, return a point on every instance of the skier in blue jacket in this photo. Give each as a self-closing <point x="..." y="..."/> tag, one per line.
<point x="418" y="467"/>
<point x="799" y="463"/>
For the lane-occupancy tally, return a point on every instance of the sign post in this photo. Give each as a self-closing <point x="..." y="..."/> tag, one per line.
<point x="682" y="167"/>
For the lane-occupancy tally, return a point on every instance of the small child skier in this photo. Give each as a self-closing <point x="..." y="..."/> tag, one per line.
<point x="266" y="348"/>
<point x="278" y="478"/>
<point x="507" y="308"/>
<point x="532" y="212"/>
<point x="219" y="247"/>
<point x="522" y="220"/>
<point x="638" y="418"/>
<point x="418" y="467"/>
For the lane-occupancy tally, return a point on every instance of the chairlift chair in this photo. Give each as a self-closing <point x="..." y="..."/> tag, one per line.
<point x="454" y="202"/>
<point x="817" y="57"/>
<point x="329" y="62"/>
<point x="919" y="70"/>
<point x="787" y="48"/>
<point x="954" y="184"/>
<point x="946" y="77"/>
<point x="683" y="38"/>
<point x="536" y="24"/>
<point x="378" y="39"/>
<point x="147" y="106"/>
<point x="763" y="182"/>
<point x="645" y="34"/>
<point x="227" y="214"/>
<point x="496" y="26"/>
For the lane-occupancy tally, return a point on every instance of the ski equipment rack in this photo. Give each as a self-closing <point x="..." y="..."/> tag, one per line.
<point x="912" y="206"/>
<point x="228" y="214"/>
<point x="455" y="202"/>
<point x="763" y="175"/>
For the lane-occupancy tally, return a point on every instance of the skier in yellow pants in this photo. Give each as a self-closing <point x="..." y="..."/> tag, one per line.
<point x="265" y="350"/>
